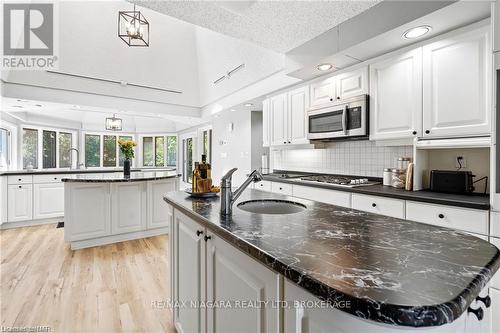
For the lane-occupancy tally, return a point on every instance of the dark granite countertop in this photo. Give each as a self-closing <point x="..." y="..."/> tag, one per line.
<point x="78" y="171"/>
<point x="477" y="201"/>
<point x="392" y="271"/>
<point x="118" y="177"/>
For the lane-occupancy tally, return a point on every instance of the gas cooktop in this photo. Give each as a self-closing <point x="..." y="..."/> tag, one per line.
<point x="344" y="181"/>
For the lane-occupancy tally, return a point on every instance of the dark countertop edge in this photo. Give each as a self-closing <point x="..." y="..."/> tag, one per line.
<point x="117" y="180"/>
<point x="78" y="171"/>
<point x="447" y="312"/>
<point x="404" y="195"/>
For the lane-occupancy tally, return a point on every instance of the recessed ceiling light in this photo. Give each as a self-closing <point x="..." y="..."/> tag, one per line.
<point x="39" y="105"/>
<point x="417" y="32"/>
<point x="324" y="67"/>
<point x="233" y="110"/>
<point x="248" y="105"/>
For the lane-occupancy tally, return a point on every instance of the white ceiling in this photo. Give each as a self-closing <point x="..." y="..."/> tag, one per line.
<point x="276" y="25"/>
<point x="82" y="116"/>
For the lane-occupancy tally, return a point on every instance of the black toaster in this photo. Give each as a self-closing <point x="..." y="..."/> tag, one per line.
<point x="460" y="182"/>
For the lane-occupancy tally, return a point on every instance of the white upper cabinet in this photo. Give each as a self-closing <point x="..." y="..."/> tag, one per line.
<point x="351" y="84"/>
<point x="323" y="93"/>
<point x="496" y="26"/>
<point x="265" y="124"/>
<point x="456" y="81"/>
<point x="279" y="112"/>
<point x="396" y="96"/>
<point x="298" y="103"/>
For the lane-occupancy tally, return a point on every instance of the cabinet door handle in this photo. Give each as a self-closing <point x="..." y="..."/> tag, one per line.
<point x="478" y="312"/>
<point x="414" y="132"/>
<point x="441" y="216"/>
<point x="374" y="204"/>
<point x="198" y="232"/>
<point x="207" y="238"/>
<point x="284" y="142"/>
<point x="338" y="97"/>
<point x="427" y="131"/>
<point x="486" y="300"/>
<point x="331" y="99"/>
<point x="289" y="141"/>
<point x="20" y="186"/>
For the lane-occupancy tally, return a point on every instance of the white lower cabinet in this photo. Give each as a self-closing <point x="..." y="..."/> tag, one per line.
<point x="465" y="219"/>
<point x="379" y="205"/>
<point x="20" y="202"/>
<point x="332" y="197"/>
<point x="128" y="207"/>
<point x="231" y="276"/>
<point x="90" y="212"/>
<point x="158" y="212"/>
<point x="48" y="200"/>
<point x="263" y="185"/>
<point x="282" y="188"/>
<point x="495" y="310"/>
<point x="301" y="317"/>
<point x="189" y="270"/>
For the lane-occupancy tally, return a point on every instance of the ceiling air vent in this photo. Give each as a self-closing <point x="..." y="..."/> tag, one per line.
<point x="229" y="74"/>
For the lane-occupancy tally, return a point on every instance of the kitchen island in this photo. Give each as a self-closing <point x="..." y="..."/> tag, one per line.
<point x="374" y="273"/>
<point x="106" y="208"/>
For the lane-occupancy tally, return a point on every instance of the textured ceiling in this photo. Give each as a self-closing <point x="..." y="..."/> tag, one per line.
<point x="276" y="25"/>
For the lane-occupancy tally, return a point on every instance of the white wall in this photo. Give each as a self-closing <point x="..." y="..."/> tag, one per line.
<point x="217" y="54"/>
<point x="232" y="149"/>
<point x="89" y="46"/>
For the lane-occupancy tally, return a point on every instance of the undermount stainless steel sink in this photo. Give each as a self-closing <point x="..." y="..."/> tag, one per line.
<point x="271" y="206"/>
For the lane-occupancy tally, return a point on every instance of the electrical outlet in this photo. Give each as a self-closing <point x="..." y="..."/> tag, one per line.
<point x="460" y="162"/>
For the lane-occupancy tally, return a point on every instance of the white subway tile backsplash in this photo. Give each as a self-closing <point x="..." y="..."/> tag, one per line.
<point x="360" y="158"/>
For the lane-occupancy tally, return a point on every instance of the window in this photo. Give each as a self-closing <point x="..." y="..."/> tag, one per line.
<point x="4" y="148"/>
<point x="147" y="151"/>
<point x="207" y="145"/>
<point x="48" y="149"/>
<point x="65" y="144"/>
<point x="121" y="158"/>
<point x="187" y="146"/>
<point x="51" y="146"/>
<point x="109" y="151"/>
<point x="159" y="151"/>
<point x="171" y="150"/>
<point x="30" y="148"/>
<point x="92" y="150"/>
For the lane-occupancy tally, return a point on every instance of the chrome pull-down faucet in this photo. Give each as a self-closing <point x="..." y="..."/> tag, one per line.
<point x="227" y="196"/>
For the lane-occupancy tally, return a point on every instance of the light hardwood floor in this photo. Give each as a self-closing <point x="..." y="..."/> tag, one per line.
<point x="102" y="289"/>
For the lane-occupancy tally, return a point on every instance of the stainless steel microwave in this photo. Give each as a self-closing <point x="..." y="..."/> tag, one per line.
<point x="346" y="118"/>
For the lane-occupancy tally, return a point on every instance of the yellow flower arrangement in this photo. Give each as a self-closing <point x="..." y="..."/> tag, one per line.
<point x="127" y="148"/>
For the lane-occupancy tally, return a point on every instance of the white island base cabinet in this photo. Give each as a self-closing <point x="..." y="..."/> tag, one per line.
<point x="302" y="318"/>
<point x="207" y="273"/>
<point x="207" y="270"/>
<point x="98" y="213"/>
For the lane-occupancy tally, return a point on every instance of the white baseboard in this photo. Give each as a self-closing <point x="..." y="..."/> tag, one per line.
<point x="30" y="223"/>
<point x="82" y="244"/>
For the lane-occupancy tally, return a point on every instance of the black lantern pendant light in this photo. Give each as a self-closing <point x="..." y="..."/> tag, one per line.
<point x="133" y="28"/>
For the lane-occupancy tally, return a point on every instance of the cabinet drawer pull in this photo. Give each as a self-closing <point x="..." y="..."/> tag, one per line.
<point x="478" y="312"/>
<point x="19" y="179"/>
<point x="207" y="238"/>
<point x="198" y="232"/>
<point x="55" y="178"/>
<point x="374" y="204"/>
<point x="284" y="142"/>
<point x="441" y="216"/>
<point x="20" y="186"/>
<point x="331" y="99"/>
<point x="427" y="131"/>
<point x="281" y="188"/>
<point x="486" y="300"/>
<point x="414" y="132"/>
